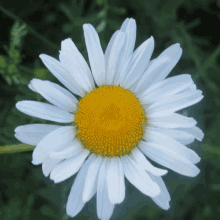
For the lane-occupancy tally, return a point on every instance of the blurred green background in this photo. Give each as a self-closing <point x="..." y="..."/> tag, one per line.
<point x="32" y="27"/>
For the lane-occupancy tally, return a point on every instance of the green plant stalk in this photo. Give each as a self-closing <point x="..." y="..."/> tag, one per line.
<point x="30" y="29"/>
<point x="16" y="148"/>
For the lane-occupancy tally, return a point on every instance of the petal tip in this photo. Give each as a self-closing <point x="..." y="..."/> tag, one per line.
<point x="18" y="105"/>
<point x="177" y="44"/>
<point x="42" y="56"/>
<point x="167" y="206"/>
<point x="34" y="162"/>
<point x="86" y="25"/>
<point x="164" y="172"/>
<point x="16" y="129"/>
<point x="195" y="173"/>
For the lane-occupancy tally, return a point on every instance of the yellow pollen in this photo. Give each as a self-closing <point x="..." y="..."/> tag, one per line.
<point x="110" y="121"/>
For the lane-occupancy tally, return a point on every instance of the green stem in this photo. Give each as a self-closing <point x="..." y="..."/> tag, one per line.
<point x="15" y="148"/>
<point x="201" y="69"/>
<point x="211" y="58"/>
<point x="30" y="29"/>
<point x="24" y="68"/>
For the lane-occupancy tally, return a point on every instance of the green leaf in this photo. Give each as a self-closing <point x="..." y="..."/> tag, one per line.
<point x="29" y="28"/>
<point x="18" y="31"/>
<point x="118" y="10"/>
<point x="15" y="148"/>
<point x="211" y="154"/>
<point x="211" y="150"/>
<point x="215" y="187"/>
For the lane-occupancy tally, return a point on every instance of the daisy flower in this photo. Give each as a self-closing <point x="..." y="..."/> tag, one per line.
<point x="126" y="116"/>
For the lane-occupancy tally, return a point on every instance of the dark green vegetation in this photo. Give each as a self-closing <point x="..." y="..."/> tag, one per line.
<point x="31" y="27"/>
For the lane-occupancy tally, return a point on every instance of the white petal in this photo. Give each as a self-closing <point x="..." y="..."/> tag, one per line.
<point x="173" y="120"/>
<point x="44" y="111"/>
<point x="71" y="58"/>
<point x="173" y="61"/>
<point x="48" y="165"/>
<point x="114" y="56"/>
<point x="161" y="184"/>
<point x="115" y="181"/>
<point x="80" y="59"/>
<point x="71" y="149"/>
<point x="61" y="73"/>
<point x="170" y="87"/>
<point x="109" y="47"/>
<point x="95" y="53"/>
<point x="169" y="158"/>
<point x="181" y="136"/>
<point x="101" y="187"/>
<point x="154" y="86"/>
<point x="75" y="203"/>
<point x="57" y="87"/>
<point x="162" y="200"/>
<point x="55" y="95"/>
<point x="137" y="63"/>
<point x="121" y="182"/>
<point x="170" y="144"/>
<point x="191" y="88"/>
<point x="34" y="133"/>
<point x="61" y="89"/>
<point x="68" y="167"/>
<point x="174" y="103"/>
<point x="74" y="70"/>
<point x="185" y="141"/>
<point x="129" y="27"/>
<point x="31" y="87"/>
<point x="175" y="98"/>
<point x="160" y="68"/>
<point x="125" y="24"/>
<point x="55" y="140"/>
<point x="139" y="178"/>
<point x="91" y="178"/>
<point x="195" y="131"/>
<point x="139" y="157"/>
<point x="104" y="206"/>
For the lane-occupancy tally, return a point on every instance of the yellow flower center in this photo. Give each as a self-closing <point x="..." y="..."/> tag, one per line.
<point x="110" y="121"/>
